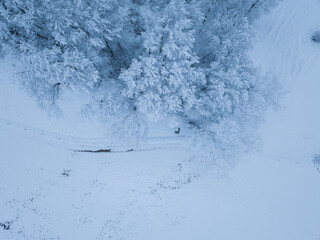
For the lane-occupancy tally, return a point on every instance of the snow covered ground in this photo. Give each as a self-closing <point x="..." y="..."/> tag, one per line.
<point x="49" y="191"/>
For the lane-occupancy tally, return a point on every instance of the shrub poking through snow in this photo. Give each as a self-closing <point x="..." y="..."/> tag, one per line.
<point x="316" y="159"/>
<point x="5" y="225"/>
<point x="316" y="36"/>
<point x="66" y="172"/>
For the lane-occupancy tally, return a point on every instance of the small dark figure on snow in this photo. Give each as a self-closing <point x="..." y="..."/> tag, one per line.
<point x="177" y="131"/>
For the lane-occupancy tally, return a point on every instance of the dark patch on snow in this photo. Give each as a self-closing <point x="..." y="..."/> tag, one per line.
<point x="316" y="159"/>
<point x="115" y="151"/>
<point x="95" y="151"/>
<point x="66" y="172"/>
<point x="316" y="37"/>
<point x="5" y="225"/>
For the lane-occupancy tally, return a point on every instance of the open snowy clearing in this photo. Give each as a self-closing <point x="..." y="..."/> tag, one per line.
<point x="49" y="191"/>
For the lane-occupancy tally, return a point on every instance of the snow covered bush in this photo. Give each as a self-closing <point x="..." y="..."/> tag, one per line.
<point x="183" y="61"/>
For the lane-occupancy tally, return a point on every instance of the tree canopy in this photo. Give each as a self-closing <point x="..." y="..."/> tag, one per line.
<point x="184" y="61"/>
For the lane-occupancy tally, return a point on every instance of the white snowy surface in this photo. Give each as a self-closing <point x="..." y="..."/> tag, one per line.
<point x="152" y="193"/>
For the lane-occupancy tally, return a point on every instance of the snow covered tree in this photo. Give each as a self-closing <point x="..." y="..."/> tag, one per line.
<point x="164" y="78"/>
<point x="232" y="102"/>
<point x="64" y="43"/>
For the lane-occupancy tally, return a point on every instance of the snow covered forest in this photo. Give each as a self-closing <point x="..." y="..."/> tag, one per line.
<point x="159" y="119"/>
<point x="183" y="62"/>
